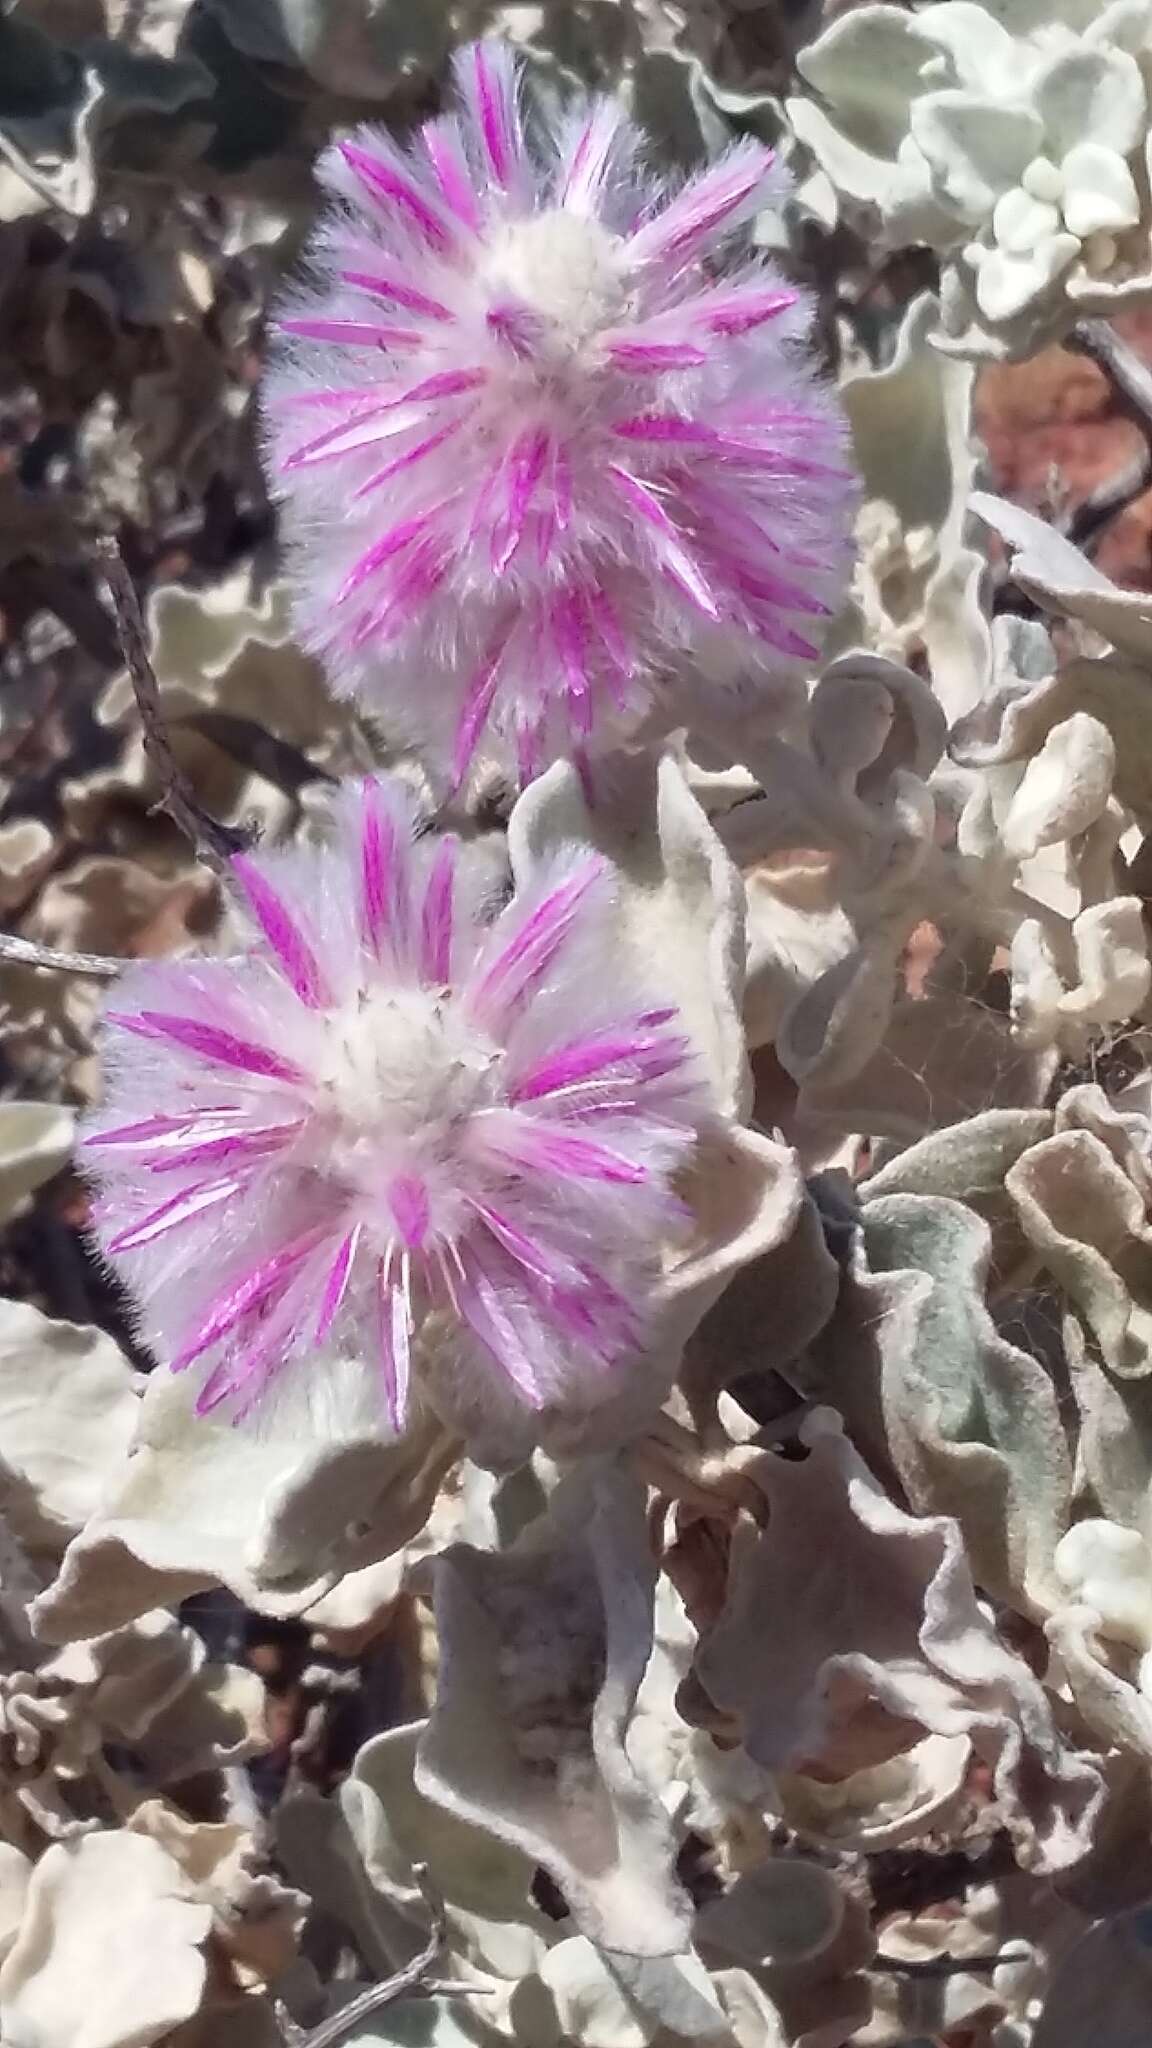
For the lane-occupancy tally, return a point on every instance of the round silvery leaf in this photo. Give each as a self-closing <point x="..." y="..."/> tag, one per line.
<point x="1122" y="26"/>
<point x="906" y="422"/>
<point x="977" y="151"/>
<point x="859" y="173"/>
<point x="1065" y="787"/>
<point x="1019" y="221"/>
<point x="1024" y="17"/>
<point x="967" y="1161"/>
<point x="1091" y="95"/>
<point x="1006" y="284"/>
<point x="1109" y="1568"/>
<point x="590" y="2006"/>
<point x="82" y="1896"/>
<point x="754" y="2019"/>
<point x="68" y="1408"/>
<point x="1112" y="958"/>
<point x="278" y="1516"/>
<point x="478" y="1876"/>
<point x="898" y="1801"/>
<point x="899" y="187"/>
<point x="1088" y="1224"/>
<point x="870" y="65"/>
<point x="785" y="1910"/>
<point x="981" y="50"/>
<point x="1099" y="191"/>
<point x="851" y="718"/>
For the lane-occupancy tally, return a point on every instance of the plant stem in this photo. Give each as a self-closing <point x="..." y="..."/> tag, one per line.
<point x="215" y="843"/>
<point x="1130" y="380"/>
<point x="411" y="1980"/>
<point x="26" y="953"/>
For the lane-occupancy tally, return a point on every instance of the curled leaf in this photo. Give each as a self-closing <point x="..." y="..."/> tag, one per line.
<point x="543" y="1647"/>
<point x="852" y="1628"/>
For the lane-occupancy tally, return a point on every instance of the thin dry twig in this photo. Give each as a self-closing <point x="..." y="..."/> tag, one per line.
<point x="26" y="953"/>
<point x="1109" y="499"/>
<point x="1130" y="378"/>
<point x="1131" y="383"/>
<point x="412" y="1980"/>
<point x="215" y="843"/>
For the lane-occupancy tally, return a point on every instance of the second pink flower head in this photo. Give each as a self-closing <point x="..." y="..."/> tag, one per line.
<point x="384" y="1109"/>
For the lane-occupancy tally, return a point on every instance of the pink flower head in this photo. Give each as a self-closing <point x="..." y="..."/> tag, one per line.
<point x="538" y="434"/>
<point x="387" y="1109"/>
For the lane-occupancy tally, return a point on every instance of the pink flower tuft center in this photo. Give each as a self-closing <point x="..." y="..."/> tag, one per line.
<point x="572" y="274"/>
<point x="399" y="1079"/>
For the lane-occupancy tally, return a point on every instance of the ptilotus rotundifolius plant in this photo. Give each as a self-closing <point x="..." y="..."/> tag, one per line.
<point x="547" y="434"/>
<point x="387" y="1108"/>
